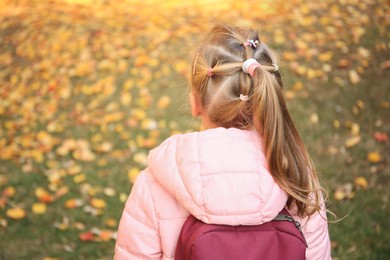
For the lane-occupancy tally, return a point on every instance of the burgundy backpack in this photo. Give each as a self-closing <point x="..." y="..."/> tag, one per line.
<point x="280" y="238"/>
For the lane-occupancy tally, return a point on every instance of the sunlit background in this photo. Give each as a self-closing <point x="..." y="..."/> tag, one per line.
<point x="87" y="88"/>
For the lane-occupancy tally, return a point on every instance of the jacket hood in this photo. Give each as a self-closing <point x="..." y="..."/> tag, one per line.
<point x="219" y="175"/>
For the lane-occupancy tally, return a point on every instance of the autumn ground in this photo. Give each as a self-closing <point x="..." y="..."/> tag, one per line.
<point x="88" y="87"/>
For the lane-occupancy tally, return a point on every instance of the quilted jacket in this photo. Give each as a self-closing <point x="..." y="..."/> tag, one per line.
<point x="218" y="175"/>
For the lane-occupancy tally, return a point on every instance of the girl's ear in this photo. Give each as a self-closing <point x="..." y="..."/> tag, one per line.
<point x="196" y="105"/>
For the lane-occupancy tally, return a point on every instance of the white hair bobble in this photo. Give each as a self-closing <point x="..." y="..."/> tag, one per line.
<point x="275" y="66"/>
<point x="244" y="97"/>
<point x="249" y="66"/>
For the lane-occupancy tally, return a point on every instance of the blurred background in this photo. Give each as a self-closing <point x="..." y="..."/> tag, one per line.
<point x="87" y="88"/>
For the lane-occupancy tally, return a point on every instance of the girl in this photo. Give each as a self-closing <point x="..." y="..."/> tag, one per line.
<point x="248" y="163"/>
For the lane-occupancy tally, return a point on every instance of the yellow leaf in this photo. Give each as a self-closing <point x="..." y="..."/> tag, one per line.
<point x="339" y="195"/>
<point x="164" y="102"/>
<point x="9" y="192"/>
<point x="16" y="213"/>
<point x="128" y="84"/>
<point x="181" y="66"/>
<point x="113" y="117"/>
<point x="361" y="182"/>
<point x="126" y="99"/>
<point x="355" y="129"/>
<point x="79" y="178"/>
<point x="354" y="77"/>
<point x="75" y="169"/>
<point x="352" y="141"/>
<point x="3" y="223"/>
<point x="326" y="56"/>
<point x="314" y="118"/>
<point x="98" y="203"/>
<point x="104" y="147"/>
<point x="336" y="124"/>
<point x="37" y="155"/>
<point x="110" y="222"/>
<point x="148" y="124"/>
<point x="374" y="157"/>
<point x="39" y="208"/>
<point x="132" y="174"/>
<point x="123" y="197"/>
<point x="109" y="192"/>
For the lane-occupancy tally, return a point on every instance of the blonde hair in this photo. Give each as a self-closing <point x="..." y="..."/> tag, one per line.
<point x="218" y="79"/>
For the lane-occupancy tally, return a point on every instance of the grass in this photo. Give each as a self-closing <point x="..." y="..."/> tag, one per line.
<point x="60" y="74"/>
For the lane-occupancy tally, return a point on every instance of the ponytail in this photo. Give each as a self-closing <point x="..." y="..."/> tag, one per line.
<point x="288" y="160"/>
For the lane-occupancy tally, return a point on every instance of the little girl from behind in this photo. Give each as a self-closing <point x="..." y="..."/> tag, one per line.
<point x="245" y="167"/>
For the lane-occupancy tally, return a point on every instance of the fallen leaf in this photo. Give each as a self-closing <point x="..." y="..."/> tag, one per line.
<point x="344" y="191"/>
<point x="73" y="203"/>
<point x="314" y="118"/>
<point x="164" y="102"/>
<point x="105" y="235"/>
<point x="16" y="213"/>
<point x="9" y="192"/>
<point x="374" y="157"/>
<point x="380" y="137"/>
<point x="352" y="141"/>
<point x="39" y="208"/>
<point x="355" y="129"/>
<point x="79" y="178"/>
<point x="3" y="223"/>
<point x="361" y="182"/>
<point x="123" y="197"/>
<point x="354" y="77"/>
<point x="132" y="174"/>
<point x="110" y="222"/>
<point x="110" y="192"/>
<point x="98" y="203"/>
<point x="43" y="195"/>
<point x="87" y="236"/>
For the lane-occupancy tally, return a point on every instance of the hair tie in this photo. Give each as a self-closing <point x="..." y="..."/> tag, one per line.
<point x="275" y="66"/>
<point x="249" y="66"/>
<point x="251" y="43"/>
<point x="244" y="97"/>
<point x="209" y="73"/>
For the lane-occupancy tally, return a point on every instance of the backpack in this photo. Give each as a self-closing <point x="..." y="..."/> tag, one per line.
<point x="280" y="238"/>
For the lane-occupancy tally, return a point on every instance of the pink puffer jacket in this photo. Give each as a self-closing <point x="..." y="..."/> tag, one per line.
<point x="218" y="175"/>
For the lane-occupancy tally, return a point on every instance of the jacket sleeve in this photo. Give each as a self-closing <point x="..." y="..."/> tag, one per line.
<point x="138" y="234"/>
<point x="315" y="230"/>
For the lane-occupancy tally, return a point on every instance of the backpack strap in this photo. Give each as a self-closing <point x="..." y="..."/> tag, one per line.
<point x="284" y="215"/>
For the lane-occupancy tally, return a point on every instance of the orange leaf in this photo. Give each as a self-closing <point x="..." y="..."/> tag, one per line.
<point x="374" y="157"/>
<point x="9" y="192"/>
<point x="73" y="203"/>
<point x="361" y="182"/>
<point x="43" y="195"/>
<point x="110" y="222"/>
<point x="105" y="235"/>
<point x="98" y="203"/>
